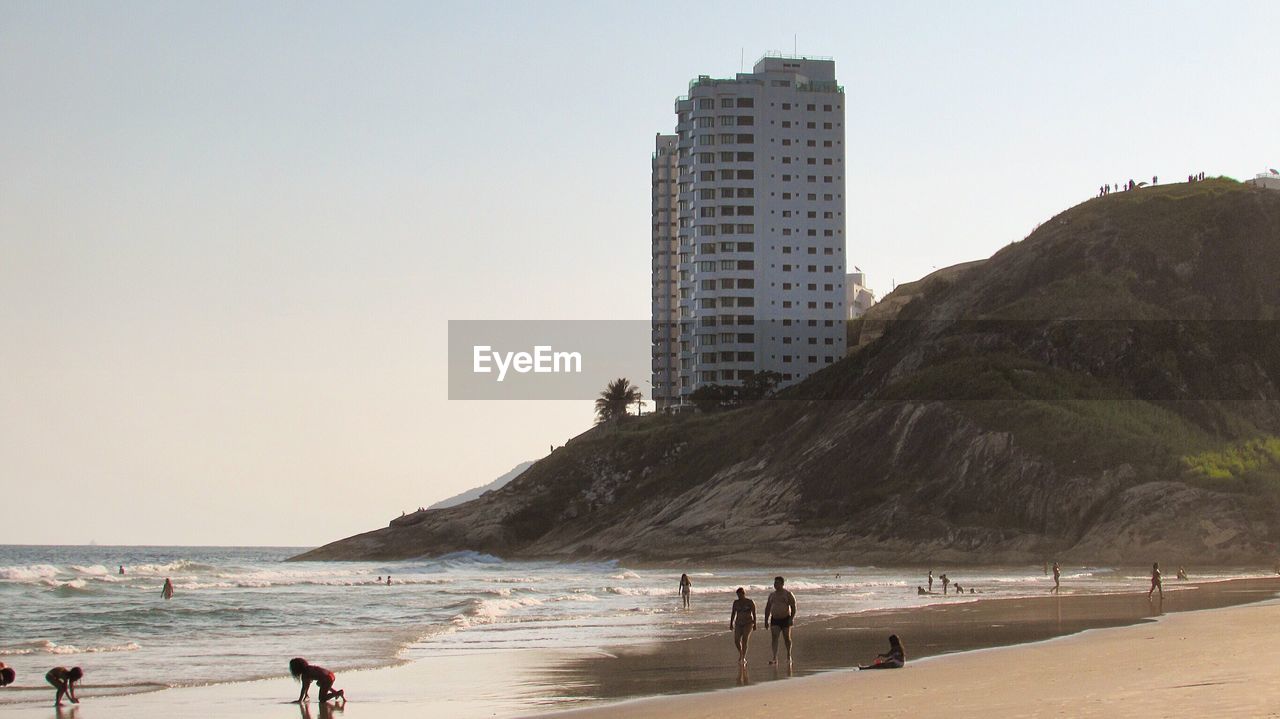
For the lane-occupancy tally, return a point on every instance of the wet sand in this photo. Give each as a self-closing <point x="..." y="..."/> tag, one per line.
<point x="513" y="683"/>
<point x="968" y="623"/>
<point x="1216" y="662"/>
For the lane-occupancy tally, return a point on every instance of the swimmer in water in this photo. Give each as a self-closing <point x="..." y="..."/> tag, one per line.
<point x="7" y="674"/>
<point x="167" y="592"/>
<point x="64" y="680"/>
<point x="307" y="673"/>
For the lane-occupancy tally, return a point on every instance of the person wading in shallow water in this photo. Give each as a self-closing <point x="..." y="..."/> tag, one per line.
<point x="7" y="675"/>
<point x="685" y="586"/>
<point x="779" y="616"/>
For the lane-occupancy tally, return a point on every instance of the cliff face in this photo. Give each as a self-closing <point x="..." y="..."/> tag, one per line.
<point x="1104" y="391"/>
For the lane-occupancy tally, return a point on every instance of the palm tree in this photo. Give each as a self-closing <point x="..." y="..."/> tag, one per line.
<point x="613" y="401"/>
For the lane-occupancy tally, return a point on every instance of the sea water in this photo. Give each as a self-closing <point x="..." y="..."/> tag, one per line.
<point x="241" y="613"/>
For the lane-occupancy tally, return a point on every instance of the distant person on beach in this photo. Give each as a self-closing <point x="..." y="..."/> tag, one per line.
<point x="1155" y="581"/>
<point x="945" y="583"/>
<point x="64" y="680"/>
<point x="742" y="620"/>
<point x="121" y="570"/>
<point x="307" y="673"/>
<point x="1182" y="573"/>
<point x="7" y="675"/>
<point x="920" y="590"/>
<point x="1057" y="578"/>
<point x="931" y="581"/>
<point x="379" y="580"/>
<point x="167" y="592"/>
<point x="685" y="584"/>
<point x="779" y="616"/>
<point x="895" y="658"/>
<point x="388" y="580"/>
<point x="959" y="589"/>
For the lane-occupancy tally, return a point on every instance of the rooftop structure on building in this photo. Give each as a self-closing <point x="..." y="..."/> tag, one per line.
<point x="760" y="246"/>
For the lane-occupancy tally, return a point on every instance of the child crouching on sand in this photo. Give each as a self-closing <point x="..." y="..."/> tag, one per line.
<point x="895" y="658"/>
<point x="307" y="673"/>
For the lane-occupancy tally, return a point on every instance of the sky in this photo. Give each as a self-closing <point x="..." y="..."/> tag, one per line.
<point x="232" y="234"/>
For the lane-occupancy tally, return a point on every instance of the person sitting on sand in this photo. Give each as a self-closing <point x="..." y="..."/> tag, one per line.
<point x="779" y="616"/>
<point x="307" y="673"/>
<point x="685" y="585"/>
<point x="64" y="680"/>
<point x="167" y="592"/>
<point x="742" y="620"/>
<point x="895" y="658"/>
<point x="7" y="675"/>
<point x="1155" y="581"/>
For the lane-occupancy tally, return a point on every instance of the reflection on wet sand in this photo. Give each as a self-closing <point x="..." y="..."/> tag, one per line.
<point x="703" y="664"/>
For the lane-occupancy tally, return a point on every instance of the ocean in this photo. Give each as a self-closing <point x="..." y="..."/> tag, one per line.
<point x="240" y="613"/>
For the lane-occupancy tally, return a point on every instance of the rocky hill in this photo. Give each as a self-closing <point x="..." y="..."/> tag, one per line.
<point x="1107" y="390"/>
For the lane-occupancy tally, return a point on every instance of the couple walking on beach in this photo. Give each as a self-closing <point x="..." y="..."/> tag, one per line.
<point x="779" y="616"/>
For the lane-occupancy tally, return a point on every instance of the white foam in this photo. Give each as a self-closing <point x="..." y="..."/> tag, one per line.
<point x="28" y="573"/>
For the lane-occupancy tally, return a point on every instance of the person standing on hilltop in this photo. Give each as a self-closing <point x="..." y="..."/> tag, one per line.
<point x="779" y="616"/>
<point x="685" y="585"/>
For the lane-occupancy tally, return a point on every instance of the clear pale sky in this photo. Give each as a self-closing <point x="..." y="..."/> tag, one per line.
<point x="231" y="234"/>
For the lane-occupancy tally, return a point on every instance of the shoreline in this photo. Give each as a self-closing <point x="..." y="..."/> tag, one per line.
<point x="1203" y="662"/>
<point x="708" y="664"/>
<point x="578" y="682"/>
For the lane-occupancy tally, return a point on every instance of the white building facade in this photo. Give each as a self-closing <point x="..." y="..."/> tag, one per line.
<point x="760" y="209"/>
<point x="858" y="298"/>
<point x="665" y="295"/>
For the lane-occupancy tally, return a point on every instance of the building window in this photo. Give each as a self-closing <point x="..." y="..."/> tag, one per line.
<point x="746" y="102"/>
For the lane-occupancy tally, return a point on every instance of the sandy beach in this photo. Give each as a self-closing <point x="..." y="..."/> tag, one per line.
<point x="1217" y="662"/>
<point x="1194" y="653"/>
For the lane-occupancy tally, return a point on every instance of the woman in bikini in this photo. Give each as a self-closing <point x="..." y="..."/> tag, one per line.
<point x="742" y="620"/>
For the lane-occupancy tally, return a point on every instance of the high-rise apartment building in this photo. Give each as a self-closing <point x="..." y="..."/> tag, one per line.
<point x="760" y="215"/>
<point x="665" y="308"/>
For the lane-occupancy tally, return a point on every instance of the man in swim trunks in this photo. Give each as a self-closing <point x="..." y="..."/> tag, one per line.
<point x="742" y="620"/>
<point x="779" y="615"/>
